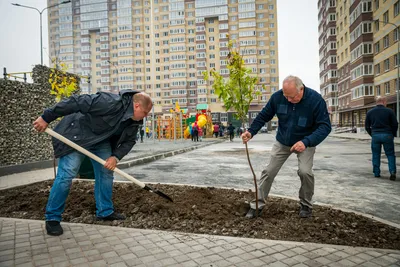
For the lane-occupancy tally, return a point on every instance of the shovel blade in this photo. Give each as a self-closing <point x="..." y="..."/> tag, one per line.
<point x="158" y="192"/>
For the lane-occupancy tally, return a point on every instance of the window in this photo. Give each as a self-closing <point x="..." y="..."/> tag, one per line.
<point x="386" y="17"/>
<point x="378" y="90"/>
<point x="377" y="47"/>
<point x="377" y="69"/>
<point x="386" y="41"/>
<point x="396" y="8"/>
<point x="387" y="88"/>
<point x="386" y="64"/>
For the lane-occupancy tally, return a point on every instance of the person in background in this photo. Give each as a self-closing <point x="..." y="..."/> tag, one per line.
<point x="106" y="124"/>
<point x="231" y="131"/>
<point x="200" y="134"/>
<point x="147" y="132"/>
<point x="381" y="124"/>
<point x="303" y="124"/>
<point x="141" y="134"/>
<point x="216" y="130"/>
<point x="195" y="132"/>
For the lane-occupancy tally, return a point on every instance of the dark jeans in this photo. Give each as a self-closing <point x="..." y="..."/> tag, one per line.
<point x="376" y="146"/>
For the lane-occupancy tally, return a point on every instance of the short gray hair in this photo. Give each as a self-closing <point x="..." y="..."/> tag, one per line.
<point x="298" y="82"/>
<point x="380" y="99"/>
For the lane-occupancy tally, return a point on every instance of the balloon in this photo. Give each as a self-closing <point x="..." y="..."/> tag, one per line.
<point x="202" y="122"/>
<point x="202" y="116"/>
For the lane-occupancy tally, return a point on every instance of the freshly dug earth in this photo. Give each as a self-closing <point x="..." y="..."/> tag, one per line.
<point x="205" y="211"/>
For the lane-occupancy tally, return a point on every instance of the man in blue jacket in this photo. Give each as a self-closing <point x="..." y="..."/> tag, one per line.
<point x="381" y="124"/>
<point x="303" y="124"/>
<point x="105" y="124"/>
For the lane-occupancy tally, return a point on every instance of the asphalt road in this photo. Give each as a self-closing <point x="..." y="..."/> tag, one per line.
<point x="342" y="168"/>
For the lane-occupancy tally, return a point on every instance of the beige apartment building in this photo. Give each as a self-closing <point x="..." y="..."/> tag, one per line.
<point x="162" y="47"/>
<point x="366" y="52"/>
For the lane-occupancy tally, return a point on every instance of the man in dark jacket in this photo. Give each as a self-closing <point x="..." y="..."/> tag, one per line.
<point x="106" y="125"/>
<point x="381" y="124"/>
<point x="231" y="130"/>
<point x="303" y="124"/>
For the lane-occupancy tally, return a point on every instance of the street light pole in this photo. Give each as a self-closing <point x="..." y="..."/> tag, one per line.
<point x="116" y="69"/>
<point x="41" y="27"/>
<point x="398" y="72"/>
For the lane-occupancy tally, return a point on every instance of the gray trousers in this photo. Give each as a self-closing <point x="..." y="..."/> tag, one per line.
<point x="279" y="155"/>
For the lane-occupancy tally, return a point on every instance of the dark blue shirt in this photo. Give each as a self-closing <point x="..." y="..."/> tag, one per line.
<point x="381" y="119"/>
<point x="307" y="121"/>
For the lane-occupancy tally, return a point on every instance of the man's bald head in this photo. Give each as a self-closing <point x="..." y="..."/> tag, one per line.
<point x="381" y="100"/>
<point x="142" y="105"/>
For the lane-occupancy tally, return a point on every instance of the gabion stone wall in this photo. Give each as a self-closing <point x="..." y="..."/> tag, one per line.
<point x="21" y="104"/>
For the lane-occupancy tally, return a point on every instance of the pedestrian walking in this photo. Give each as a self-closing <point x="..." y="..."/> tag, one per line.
<point x="381" y="124"/>
<point x="216" y="130"/>
<point x="231" y="131"/>
<point x="303" y="124"/>
<point x="105" y="124"/>
<point x="141" y="134"/>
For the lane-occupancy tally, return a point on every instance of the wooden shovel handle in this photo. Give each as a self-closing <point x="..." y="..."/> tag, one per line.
<point x="91" y="155"/>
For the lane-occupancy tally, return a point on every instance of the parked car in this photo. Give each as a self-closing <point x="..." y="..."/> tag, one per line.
<point x="264" y="129"/>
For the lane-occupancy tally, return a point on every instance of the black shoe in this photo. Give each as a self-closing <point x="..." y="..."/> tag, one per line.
<point x="54" y="228"/>
<point x="112" y="217"/>
<point x="377" y="176"/>
<point x="393" y="177"/>
<point x="305" y="211"/>
<point x="252" y="213"/>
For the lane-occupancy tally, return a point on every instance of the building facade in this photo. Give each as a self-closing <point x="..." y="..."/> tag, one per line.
<point x="162" y="47"/>
<point x="366" y="56"/>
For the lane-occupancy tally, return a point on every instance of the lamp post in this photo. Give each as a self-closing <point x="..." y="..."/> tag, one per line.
<point x="116" y="69"/>
<point x="398" y="72"/>
<point x="40" y="13"/>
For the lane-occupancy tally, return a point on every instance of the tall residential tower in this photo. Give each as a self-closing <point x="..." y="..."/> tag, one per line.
<point x="163" y="46"/>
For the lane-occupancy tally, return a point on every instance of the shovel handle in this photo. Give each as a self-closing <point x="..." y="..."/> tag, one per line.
<point x="91" y="155"/>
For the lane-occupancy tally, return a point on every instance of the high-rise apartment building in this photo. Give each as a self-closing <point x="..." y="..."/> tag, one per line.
<point x="328" y="53"/>
<point x="163" y="46"/>
<point x="366" y="49"/>
<point x="386" y="49"/>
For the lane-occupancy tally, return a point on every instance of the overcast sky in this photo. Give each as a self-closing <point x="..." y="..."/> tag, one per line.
<point x="297" y="33"/>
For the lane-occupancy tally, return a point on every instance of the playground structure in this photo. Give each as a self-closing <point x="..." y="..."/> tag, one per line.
<point x="178" y="124"/>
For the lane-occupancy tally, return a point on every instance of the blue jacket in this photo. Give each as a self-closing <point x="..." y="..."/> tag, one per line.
<point x="381" y="119"/>
<point x="307" y="121"/>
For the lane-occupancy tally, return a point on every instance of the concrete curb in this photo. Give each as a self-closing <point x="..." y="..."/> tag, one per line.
<point x="350" y="138"/>
<point x="26" y="167"/>
<point x="360" y="138"/>
<point x="138" y="161"/>
<point x="13" y="169"/>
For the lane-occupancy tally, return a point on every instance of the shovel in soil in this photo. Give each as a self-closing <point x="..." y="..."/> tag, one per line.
<point x="102" y="162"/>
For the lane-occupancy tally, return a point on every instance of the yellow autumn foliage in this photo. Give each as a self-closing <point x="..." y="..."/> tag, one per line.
<point x="62" y="84"/>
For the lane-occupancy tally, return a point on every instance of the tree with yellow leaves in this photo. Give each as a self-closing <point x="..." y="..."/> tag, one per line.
<point x="62" y="84"/>
<point x="237" y="92"/>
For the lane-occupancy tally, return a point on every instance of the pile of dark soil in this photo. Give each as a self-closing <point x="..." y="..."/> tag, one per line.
<point x="206" y="211"/>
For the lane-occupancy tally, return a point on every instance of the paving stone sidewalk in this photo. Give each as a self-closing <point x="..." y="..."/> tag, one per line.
<point x="24" y="243"/>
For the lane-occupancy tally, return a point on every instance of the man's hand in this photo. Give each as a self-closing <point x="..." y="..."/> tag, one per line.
<point x="298" y="147"/>
<point x="40" y="124"/>
<point x="111" y="162"/>
<point x="246" y="136"/>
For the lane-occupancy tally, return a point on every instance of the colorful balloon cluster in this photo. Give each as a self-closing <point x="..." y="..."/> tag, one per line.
<point x="201" y="122"/>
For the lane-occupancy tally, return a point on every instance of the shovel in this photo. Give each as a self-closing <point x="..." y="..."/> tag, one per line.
<point x="102" y="162"/>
